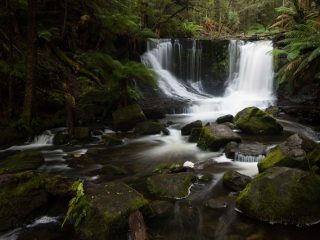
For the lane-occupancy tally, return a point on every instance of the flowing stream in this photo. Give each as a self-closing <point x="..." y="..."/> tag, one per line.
<point x="181" y="76"/>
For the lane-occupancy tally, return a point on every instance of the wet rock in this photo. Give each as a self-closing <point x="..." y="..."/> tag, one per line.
<point x="235" y="180"/>
<point x="104" y="210"/>
<point x="110" y="170"/>
<point x="273" y="111"/>
<point x="245" y="149"/>
<point x="292" y="153"/>
<point x="162" y="208"/>
<point x="154" y="114"/>
<point x="227" y="118"/>
<point x="205" y="178"/>
<point x="20" y="162"/>
<point x="218" y="203"/>
<point x="111" y="141"/>
<point x="170" y="185"/>
<point x="254" y="121"/>
<point x="61" y="138"/>
<point x="170" y="168"/>
<point x="137" y="227"/>
<point x="81" y="133"/>
<point x="216" y="136"/>
<point x="22" y="195"/>
<point x="229" y="124"/>
<point x="186" y="130"/>
<point x="126" y="118"/>
<point x="148" y="128"/>
<point x="282" y="195"/>
<point x="195" y="135"/>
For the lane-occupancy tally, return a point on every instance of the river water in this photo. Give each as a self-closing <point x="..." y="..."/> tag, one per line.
<point x="250" y="83"/>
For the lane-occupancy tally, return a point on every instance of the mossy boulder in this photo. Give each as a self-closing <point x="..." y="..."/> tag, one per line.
<point x="124" y="119"/>
<point x="162" y="208"/>
<point x="20" y="162"/>
<point x="61" y="138"/>
<point x="216" y="136"/>
<point x="81" y="133"/>
<point x="170" y="185"/>
<point x="314" y="156"/>
<point x="148" y="128"/>
<point x="104" y="210"/>
<point x="235" y="180"/>
<point x="254" y="121"/>
<point x="195" y="135"/>
<point x="169" y="168"/>
<point x="22" y="195"/>
<point x="282" y="195"/>
<point x="291" y="153"/>
<point x="111" y="141"/>
<point x="186" y="130"/>
<point x="224" y="119"/>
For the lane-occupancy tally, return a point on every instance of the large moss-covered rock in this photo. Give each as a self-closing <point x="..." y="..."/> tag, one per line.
<point x="235" y="180"/>
<point x="126" y="118"/>
<point x="103" y="212"/>
<point x="23" y="161"/>
<point x="186" y="130"/>
<point x="195" y="135"/>
<point x="170" y="185"/>
<point x="148" y="128"/>
<point x="252" y="120"/>
<point x="292" y="153"/>
<point x="282" y="195"/>
<point x="23" y="194"/>
<point x="216" y="136"/>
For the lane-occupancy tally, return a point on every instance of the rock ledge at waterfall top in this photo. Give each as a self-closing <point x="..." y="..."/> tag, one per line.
<point x="282" y="195"/>
<point x="254" y="121"/>
<point x="216" y="136"/>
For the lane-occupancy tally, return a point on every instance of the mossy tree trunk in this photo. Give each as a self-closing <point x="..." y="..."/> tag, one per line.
<point x="31" y="63"/>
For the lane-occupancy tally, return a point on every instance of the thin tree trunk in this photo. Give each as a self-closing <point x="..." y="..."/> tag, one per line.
<point x="31" y="63"/>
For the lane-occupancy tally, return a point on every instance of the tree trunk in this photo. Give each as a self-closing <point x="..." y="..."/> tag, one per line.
<point x="31" y="63"/>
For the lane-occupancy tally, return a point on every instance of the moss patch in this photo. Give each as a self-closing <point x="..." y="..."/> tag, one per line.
<point x="252" y="120"/>
<point x="21" y="162"/>
<point x="282" y="195"/>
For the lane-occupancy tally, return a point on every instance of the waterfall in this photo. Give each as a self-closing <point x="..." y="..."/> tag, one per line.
<point x="250" y="80"/>
<point x="159" y="57"/>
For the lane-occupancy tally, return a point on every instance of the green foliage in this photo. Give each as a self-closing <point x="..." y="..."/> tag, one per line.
<point x="76" y="187"/>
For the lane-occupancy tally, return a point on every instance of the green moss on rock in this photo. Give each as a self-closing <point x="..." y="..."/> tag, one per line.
<point x="104" y="211"/>
<point x="170" y="185"/>
<point x="282" y="195"/>
<point x="186" y="130"/>
<point x="216" y="136"/>
<point x="126" y="118"/>
<point x="252" y="120"/>
<point x="111" y="141"/>
<point x="235" y="181"/>
<point x="21" y="162"/>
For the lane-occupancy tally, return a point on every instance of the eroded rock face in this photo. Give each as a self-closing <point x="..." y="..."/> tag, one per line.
<point x="254" y="121"/>
<point x="126" y="118"/>
<point x="186" y="130"/>
<point x="216" y="136"/>
<point x="23" y="161"/>
<point x="235" y="180"/>
<point x="282" y="195"/>
<point x="103" y="212"/>
<point x="292" y="153"/>
<point x="170" y="185"/>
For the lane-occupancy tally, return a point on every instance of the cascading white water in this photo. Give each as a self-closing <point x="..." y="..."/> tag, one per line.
<point x="250" y="81"/>
<point x="159" y="57"/>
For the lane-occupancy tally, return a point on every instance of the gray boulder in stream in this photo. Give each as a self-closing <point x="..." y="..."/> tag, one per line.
<point x="148" y="128"/>
<point x="294" y="153"/>
<point x="216" y="136"/>
<point x="235" y="180"/>
<point x="282" y="195"/>
<point x="254" y="121"/>
<point x="254" y="151"/>
<point x="170" y="185"/>
<point x="186" y="130"/>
